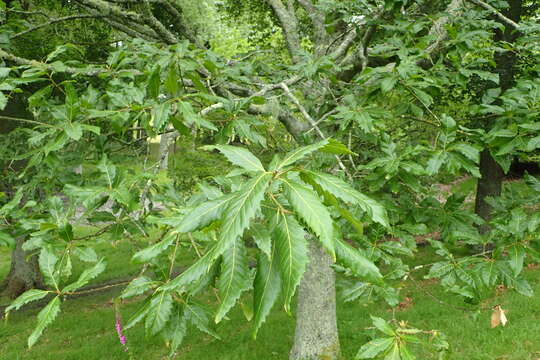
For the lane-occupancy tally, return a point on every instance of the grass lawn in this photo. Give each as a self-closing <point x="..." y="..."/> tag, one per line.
<point x="85" y="329"/>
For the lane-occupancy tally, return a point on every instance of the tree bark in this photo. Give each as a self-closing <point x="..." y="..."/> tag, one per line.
<point x="490" y="183"/>
<point x="24" y="272"/>
<point x="316" y="335"/>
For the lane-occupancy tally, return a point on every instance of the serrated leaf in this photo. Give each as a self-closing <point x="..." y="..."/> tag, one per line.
<point x="204" y="214"/>
<point x="354" y="260"/>
<point x="234" y="278"/>
<point x="26" y="297"/>
<point x="374" y="348"/>
<point x="154" y="81"/>
<point x="86" y="276"/>
<point x="85" y="254"/>
<point x="262" y="238"/>
<point x="292" y="254"/>
<point x="242" y="209"/>
<point x="176" y="330"/>
<point x="266" y="290"/>
<point x="336" y="147"/>
<point x="382" y="325"/>
<point x="160" y="115"/>
<point x="198" y="316"/>
<point x="73" y="130"/>
<point x="346" y="192"/>
<point x="47" y="262"/>
<point x="45" y="317"/>
<point x="394" y="353"/>
<point x="138" y="286"/>
<point x="300" y="153"/>
<point x="151" y="252"/>
<point x="158" y="313"/>
<point x="239" y="156"/>
<point x="194" y="272"/>
<point x="469" y="151"/>
<point x="516" y="256"/>
<point x="309" y="207"/>
<point x="435" y="163"/>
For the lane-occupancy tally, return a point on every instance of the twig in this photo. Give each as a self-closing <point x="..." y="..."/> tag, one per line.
<point x="313" y="124"/>
<point x="495" y="12"/>
<point x="54" y="21"/>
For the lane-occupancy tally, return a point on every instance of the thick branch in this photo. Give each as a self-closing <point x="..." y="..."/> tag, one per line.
<point x="157" y="26"/>
<point x="289" y="24"/>
<point x="317" y="20"/>
<point x="438" y="29"/>
<point x="54" y="21"/>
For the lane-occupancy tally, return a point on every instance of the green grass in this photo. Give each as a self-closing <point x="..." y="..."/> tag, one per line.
<point x="85" y="330"/>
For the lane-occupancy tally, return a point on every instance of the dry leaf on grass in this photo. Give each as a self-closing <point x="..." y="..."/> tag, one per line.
<point x="498" y="316"/>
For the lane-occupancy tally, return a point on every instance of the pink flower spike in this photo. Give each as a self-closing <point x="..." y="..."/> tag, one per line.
<point x="121" y="336"/>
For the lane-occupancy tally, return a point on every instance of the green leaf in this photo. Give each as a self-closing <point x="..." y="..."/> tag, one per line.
<point x="73" y="130"/>
<point x="86" y="276"/>
<point x="382" y="325"/>
<point x="394" y="353"/>
<point x="374" y="348"/>
<point x="160" y="115"/>
<point x="45" y="317"/>
<point x="6" y="239"/>
<point x="85" y="254"/>
<point x="198" y="316"/>
<point x="138" y="286"/>
<point x="516" y="256"/>
<point x="238" y="156"/>
<point x="204" y="214"/>
<point x="435" y="163"/>
<point x="266" y="288"/>
<point x="47" y="262"/>
<point x="26" y="297"/>
<point x="234" y="278"/>
<point x="159" y="311"/>
<point x="300" y="153"/>
<point x="309" y="207"/>
<point x="242" y="209"/>
<point x="171" y="81"/>
<point x="3" y="101"/>
<point x="292" y="253"/>
<point x="469" y="151"/>
<point x="388" y="83"/>
<point x="262" y="238"/>
<point x="152" y="88"/>
<point x="194" y="272"/>
<point x="346" y="192"/>
<point x="354" y="260"/>
<point x="176" y="330"/>
<point x="335" y="147"/>
<point x="151" y="252"/>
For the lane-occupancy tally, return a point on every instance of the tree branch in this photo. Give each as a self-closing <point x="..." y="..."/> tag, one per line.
<point x="54" y="21"/>
<point x="317" y="20"/>
<point x="312" y="122"/>
<point x="495" y="12"/>
<point x="289" y="25"/>
<point x="438" y="29"/>
<point x="156" y="25"/>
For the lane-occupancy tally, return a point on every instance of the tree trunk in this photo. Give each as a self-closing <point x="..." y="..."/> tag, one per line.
<point x="24" y="273"/>
<point x="316" y="335"/>
<point x="490" y="184"/>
